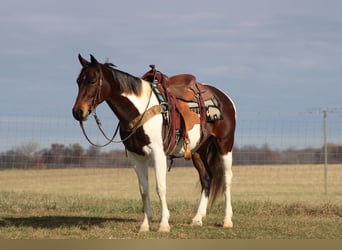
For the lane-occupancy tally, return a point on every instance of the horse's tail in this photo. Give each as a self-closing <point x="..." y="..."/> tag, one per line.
<point x="217" y="173"/>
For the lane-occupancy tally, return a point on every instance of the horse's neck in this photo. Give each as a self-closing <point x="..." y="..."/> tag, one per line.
<point x="128" y="106"/>
<point x="142" y="101"/>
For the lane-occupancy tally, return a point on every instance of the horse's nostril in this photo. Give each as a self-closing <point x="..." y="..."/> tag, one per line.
<point x="78" y="114"/>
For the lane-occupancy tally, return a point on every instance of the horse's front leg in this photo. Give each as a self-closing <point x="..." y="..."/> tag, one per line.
<point x="160" y="170"/>
<point x="141" y="169"/>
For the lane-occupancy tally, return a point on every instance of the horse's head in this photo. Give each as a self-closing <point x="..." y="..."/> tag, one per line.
<point x="89" y="88"/>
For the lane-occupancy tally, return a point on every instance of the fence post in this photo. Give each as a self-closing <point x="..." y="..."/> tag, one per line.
<point x="325" y="152"/>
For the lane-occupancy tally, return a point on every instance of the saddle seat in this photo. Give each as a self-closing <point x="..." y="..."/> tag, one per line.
<point x="186" y="87"/>
<point x="182" y="80"/>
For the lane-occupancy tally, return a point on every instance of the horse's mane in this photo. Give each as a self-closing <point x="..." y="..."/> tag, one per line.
<point x="128" y="84"/>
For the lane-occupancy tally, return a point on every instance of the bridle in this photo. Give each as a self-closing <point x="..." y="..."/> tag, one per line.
<point x="99" y="124"/>
<point x="97" y="120"/>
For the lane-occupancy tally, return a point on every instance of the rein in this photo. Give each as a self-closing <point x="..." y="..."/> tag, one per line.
<point x="138" y="122"/>
<point x="99" y="126"/>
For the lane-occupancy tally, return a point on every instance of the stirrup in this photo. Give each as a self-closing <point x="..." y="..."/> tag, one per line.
<point x="187" y="153"/>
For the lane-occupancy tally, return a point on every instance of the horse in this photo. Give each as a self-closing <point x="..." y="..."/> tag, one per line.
<point x="130" y="97"/>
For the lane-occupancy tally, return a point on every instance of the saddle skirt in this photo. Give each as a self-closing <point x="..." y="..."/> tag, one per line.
<point x="185" y="102"/>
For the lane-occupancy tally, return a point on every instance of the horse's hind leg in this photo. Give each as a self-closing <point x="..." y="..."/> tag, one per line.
<point x="227" y="164"/>
<point x="205" y="183"/>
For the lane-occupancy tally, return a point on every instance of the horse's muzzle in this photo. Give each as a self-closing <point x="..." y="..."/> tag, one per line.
<point x="79" y="115"/>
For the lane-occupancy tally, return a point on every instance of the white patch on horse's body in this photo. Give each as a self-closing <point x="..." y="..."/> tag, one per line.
<point x="194" y="137"/>
<point x="155" y="152"/>
<point x="142" y="100"/>
<point x="152" y="127"/>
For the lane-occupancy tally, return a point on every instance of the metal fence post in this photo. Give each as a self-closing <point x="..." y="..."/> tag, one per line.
<point x="325" y="152"/>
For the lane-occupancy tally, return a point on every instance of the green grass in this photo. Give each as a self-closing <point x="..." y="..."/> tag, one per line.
<point x="102" y="204"/>
<point x="32" y="216"/>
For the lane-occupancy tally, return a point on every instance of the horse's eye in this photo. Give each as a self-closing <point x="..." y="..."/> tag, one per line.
<point x="90" y="80"/>
<point x="93" y="80"/>
<point x="92" y="77"/>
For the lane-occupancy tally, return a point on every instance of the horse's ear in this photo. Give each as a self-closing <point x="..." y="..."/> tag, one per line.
<point x="83" y="61"/>
<point x="93" y="60"/>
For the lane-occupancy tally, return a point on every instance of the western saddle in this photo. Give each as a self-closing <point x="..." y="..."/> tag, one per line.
<point x="184" y="102"/>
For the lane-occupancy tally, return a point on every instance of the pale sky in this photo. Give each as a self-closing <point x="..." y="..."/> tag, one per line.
<point x="268" y="55"/>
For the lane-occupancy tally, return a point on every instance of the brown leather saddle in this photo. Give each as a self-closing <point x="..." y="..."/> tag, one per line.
<point x="185" y="101"/>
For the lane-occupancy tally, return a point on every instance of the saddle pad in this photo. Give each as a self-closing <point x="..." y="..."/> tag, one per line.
<point x="213" y="112"/>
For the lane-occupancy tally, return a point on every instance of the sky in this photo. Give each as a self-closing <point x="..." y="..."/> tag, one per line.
<point x="267" y="55"/>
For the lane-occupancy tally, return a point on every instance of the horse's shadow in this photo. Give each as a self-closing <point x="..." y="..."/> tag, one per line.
<point x="51" y="222"/>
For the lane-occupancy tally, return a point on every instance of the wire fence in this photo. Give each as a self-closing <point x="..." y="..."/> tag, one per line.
<point x="261" y="139"/>
<point x="272" y="150"/>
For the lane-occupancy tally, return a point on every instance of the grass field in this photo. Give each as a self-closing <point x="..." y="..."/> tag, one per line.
<point x="269" y="202"/>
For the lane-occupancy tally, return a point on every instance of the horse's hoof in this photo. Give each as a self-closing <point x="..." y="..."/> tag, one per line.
<point x="144" y="228"/>
<point x="196" y="223"/>
<point x="227" y="224"/>
<point x="164" y="229"/>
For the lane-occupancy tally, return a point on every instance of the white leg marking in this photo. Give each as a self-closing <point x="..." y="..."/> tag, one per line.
<point x="227" y="162"/>
<point x="141" y="169"/>
<point x="154" y="130"/>
<point x="201" y="211"/>
<point x="160" y="170"/>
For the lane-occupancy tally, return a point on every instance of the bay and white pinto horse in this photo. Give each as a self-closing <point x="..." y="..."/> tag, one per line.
<point x="128" y="97"/>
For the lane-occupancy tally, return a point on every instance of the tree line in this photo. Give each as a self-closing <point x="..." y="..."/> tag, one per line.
<point x="28" y="156"/>
<point x="61" y="156"/>
<point x="251" y="155"/>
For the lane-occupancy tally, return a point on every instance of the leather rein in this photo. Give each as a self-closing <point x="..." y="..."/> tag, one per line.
<point x="138" y="121"/>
